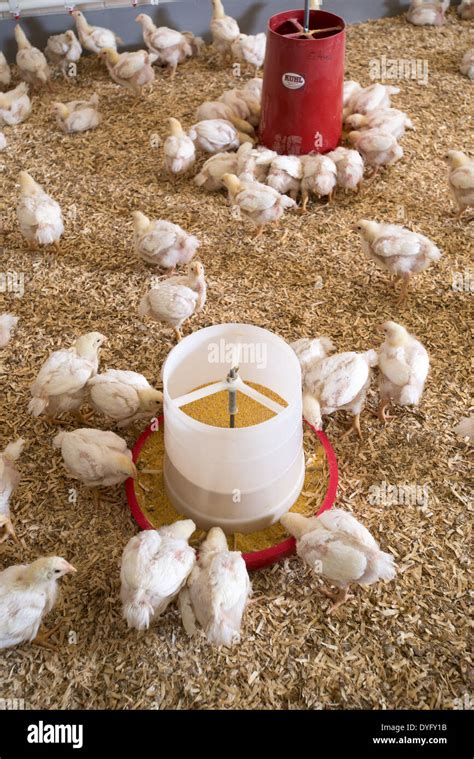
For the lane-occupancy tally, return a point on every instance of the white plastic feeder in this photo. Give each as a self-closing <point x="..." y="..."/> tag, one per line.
<point x="242" y="479"/>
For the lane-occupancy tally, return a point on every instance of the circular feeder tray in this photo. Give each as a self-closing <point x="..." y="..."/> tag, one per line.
<point x="255" y="559"/>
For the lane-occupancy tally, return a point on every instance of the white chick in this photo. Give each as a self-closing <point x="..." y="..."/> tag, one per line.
<point x="250" y="49"/>
<point x="62" y="50"/>
<point x="338" y="383"/>
<point x="254" y="163"/>
<point x="94" y="38"/>
<point x="397" y="249"/>
<point x="5" y="72"/>
<point x="466" y="66"/>
<point x="155" y="566"/>
<point x="422" y="13"/>
<point x="377" y="148"/>
<point x="285" y="175"/>
<point x="27" y="593"/>
<point x="61" y="381"/>
<point x="461" y="179"/>
<point x="176" y="299"/>
<point x="9" y="479"/>
<point x="123" y="396"/>
<point x="389" y="120"/>
<point x="162" y="243"/>
<point x="465" y="428"/>
<point x="212" y="171"/>
<point x="349" y="166"/>
<point x="15" y="105"/>
<point x="370" y="98"/>
<point x="131" y="70"/>
<point x="179" y="149"/>
<point x="257" y="202"/>
<point x="253" y="89"/>
<point x="337" y="547"/>
<point x="39" y="216"/>
<point x="215" y="109"/>
<point x="244" y="104"/>
<point x="216" y="135"/>
<point x="170" y="47"/>
<point x="217" y="591"/>
<point x="466" y="10"/>
<point x="196" y="44"/>
<point x="350" y="88"/>
<point x="309" y="350"/>
<point x="403" y="368"/>
<point x="8" y="324"/>
<point x="319" y="177"/>
<point x="97" y="458"/>
<point x="77" y="115"/>
<point x="32" y="64"/>
<point x="224" y="30"/>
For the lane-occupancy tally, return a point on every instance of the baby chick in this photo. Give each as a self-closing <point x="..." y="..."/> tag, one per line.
<point x="422" y="13"/>
<point x="340" y="549"/>
<point x="124" y="396"/>
<point x="257" y="202"/>
<point x="389" y="120"/>
<point x="212" y="171"/>
<point x="461" y="179"/>
<point x="338" y="383"/>
<point x="15" y="105"/>
<point x="224" y="30"/>
<point x="285" y="175"/>
<point x="9" y="479"/>
<point x="403" y="368"/>
<point x="97" y="458"/>
<point x="155" y="566"/>
<point x="131" y="70"/>
<point x="310" y="350"/>
<point x="372" y="98"/>
<point x="217" y="591"/>
<point x="466" y="10"/>
<point x="39" y="216"/>
<point x="94" y="38"/>
<point x="377" y="148"/>
<point x="77" y="115"/>
<point x="397" y="249"/>
<point x="179" y="149"/>
<point x="27" y="593"/>
<point x="162" y="243"/>
<point x="61" y="381"/>
<point x="250" y="49"/>
<point x="466" y="66"/>
<point x="319" y="178"/>
<point x="169" y="46"/>
<point x="349" y="168"/>
<point x="244" y="102"/>
<point x="8" y="324"/>
<point x="32" y="64"/>
<point x="217" y="135"/>
<point x="62" y="50"/>
<point x="254" y="163"/>
<point x="349" y="89"/>
<point x="176" y="299"/>
<point x="5" y="72"/>
<point x="217" y="109"/>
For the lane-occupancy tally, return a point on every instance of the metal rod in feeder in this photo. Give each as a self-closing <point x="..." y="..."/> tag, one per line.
<point x="306" y="15"/>
<point x="232" y="378"/>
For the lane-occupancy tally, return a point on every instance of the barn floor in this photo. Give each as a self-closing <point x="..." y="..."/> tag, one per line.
<point x="402" y="645"/>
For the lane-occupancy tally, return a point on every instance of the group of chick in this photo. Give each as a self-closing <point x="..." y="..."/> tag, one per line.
<point x="159" y="566"/>
<point x="433" y="13"/>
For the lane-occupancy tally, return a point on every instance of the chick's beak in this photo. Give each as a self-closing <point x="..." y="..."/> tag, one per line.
<point x="70" y="569"/>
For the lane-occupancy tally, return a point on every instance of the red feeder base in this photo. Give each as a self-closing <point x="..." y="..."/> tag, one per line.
<point x="303" y="83"/>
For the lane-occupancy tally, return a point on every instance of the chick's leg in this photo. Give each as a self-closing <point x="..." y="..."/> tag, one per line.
<point x="8" y="531"/>
<point x="405" y="286"/>
<point x="340" y="598"/>
<point x="381" y="411"/>
<point x="178" y="334"/>
<point x="355" y="426"/>
<point x="43" y="636"/>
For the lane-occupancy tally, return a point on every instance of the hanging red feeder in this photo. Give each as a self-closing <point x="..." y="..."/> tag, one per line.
<point x="303" y="83"/>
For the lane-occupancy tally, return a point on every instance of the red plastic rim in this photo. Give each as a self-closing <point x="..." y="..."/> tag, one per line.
<point x="256" y="559"/>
